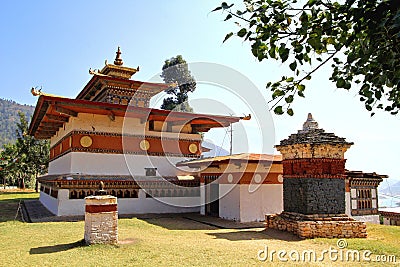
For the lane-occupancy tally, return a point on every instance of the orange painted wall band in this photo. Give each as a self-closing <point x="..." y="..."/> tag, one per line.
<point x="124" y="144"/>
<point x="243" y="178"/>
<point x="101" y="208"/>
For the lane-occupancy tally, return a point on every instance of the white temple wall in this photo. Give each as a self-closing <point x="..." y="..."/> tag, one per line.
<point x="60" y="165"/>
<point x="141" y="205"/>
<point x="202" y="199"/>
<point x="386" y="221"/>
<point x="63" y="194"/>
<point x="267" y="199"/>
<point x="49" y="202"/>
<point x="368" y="218"/>
<point x="229" y="202"/>
<point x="114" y="164"/>
<point x="347" y="197"/>
<point x="159" y="205"/>
<point x="71" y="207"/>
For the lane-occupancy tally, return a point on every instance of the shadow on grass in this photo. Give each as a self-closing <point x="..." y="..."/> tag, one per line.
<point x="9" y="209"/>
<point x="182" y="223"/>
<point x="57" y="248"/>
<point x="177" y="223"/>
<point x="256" y="235"/>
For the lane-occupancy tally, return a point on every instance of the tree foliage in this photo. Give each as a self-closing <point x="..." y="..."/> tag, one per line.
<point x="175" y="71"/>
<point x="25" y="159"/>
<point x="8" y="117"/>
<point x="359" y="38"/>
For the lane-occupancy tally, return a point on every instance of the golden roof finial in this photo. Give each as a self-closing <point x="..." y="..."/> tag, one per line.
<point x="118" y="60"/>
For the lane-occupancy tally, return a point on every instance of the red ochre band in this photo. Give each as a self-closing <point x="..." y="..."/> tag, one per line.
<point x="101" y="208"/>
<point x="118" y="144"/>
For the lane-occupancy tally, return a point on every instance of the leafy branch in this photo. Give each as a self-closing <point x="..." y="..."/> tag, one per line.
<point x="366" y="33"/>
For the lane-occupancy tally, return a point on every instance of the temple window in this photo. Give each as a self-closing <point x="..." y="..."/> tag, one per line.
<point x="169" y="127"/>
<point x="82" y="194"/>
<point x="127" y="194"/>
<point x="149" y="194"/>
<point x="151" y="125"/>
<point x="364" y="201"/>
<point x="73" y="194"/>
<point x="54" y="193"/>
<point x="151" y="171"/>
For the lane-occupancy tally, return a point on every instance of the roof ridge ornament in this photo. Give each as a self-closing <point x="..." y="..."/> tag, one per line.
<point x="309" y="124"/>
<point x="96" y="72"/>
<point x="39" y="92"/>
<point x="312" y="134"/>
<point x="118" y="60"/>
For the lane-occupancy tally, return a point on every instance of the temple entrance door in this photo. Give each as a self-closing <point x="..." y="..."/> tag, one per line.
<point x="212" y="196"/>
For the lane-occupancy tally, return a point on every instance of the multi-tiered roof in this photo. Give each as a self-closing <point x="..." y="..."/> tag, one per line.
<point x="111" y="92"/>
<point x="312" y="134"/>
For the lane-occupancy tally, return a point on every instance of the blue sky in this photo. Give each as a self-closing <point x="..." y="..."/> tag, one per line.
<point x="54" y="43"/>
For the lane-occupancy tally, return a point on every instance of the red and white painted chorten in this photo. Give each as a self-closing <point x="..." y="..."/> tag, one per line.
<point x="108" y="133"/>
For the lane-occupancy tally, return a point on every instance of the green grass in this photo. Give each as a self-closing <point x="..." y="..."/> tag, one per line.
<point x="382" y="240"/>
<point x="9" y="202"/>
<point x="157" y="242"/>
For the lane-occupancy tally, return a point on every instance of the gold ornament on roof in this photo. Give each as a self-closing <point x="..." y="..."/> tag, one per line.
<point x="39" y="92"/>
<point x="96" y="72"/>
<point x="118" y="60"/>
<point x="116" y="70"/>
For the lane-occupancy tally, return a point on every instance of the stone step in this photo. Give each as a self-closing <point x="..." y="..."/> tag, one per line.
<point x="36" y="212"/>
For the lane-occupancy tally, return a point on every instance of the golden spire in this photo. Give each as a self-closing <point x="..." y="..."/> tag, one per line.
<point x="118" y="60"/>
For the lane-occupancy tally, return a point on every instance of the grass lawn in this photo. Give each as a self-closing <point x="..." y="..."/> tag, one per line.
<point x="160" y="242"/>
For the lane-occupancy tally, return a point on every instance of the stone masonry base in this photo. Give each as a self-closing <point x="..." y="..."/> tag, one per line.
<point x="101" y="220"/>
<point x="317" y="225"/>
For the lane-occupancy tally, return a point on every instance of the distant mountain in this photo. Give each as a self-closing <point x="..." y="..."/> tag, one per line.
<point x="392" y="190"/>
<point x="211" y="150"/>
<point x="9" y="117"/>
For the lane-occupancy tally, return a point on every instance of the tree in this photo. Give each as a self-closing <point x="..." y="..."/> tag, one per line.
<point x="360" y="38"/>
<point x="176" y="72"/>
<point x="8" y="158"/>
<point x="26" y="158"/>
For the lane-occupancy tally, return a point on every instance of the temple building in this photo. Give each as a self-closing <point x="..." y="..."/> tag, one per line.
<point x="108" y="133"/>
<point x="362" y="195"/>
<point x="242" y="187"/>
<point x="390" y="216"/>
<point x="246" y="187"/>
<point x="151" y="160"/>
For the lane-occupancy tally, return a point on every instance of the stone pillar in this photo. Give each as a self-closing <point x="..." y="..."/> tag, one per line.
<point x="314" y="171"/>
<point x="101" y="220"/>
<point x="314" y="185"/>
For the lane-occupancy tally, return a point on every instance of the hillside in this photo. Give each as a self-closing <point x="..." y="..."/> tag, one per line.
<point x="9" y="117"/>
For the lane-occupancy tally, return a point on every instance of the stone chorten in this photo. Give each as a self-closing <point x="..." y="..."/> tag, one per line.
<point x="314" y="170"/>
<point x="314" y="185"/>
